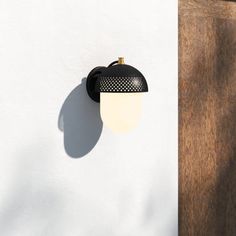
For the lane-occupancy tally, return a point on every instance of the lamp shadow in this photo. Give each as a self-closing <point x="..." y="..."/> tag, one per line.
<point x="80" y="121"/>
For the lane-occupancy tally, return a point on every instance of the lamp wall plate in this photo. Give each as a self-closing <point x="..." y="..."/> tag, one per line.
<point x="91" y="83"/>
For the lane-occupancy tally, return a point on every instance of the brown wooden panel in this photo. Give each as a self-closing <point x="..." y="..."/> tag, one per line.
<point x="207" y="126"/>
<point x="208" y="8"/>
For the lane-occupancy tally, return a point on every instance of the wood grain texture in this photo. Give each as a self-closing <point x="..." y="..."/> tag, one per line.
<point x="207" y="125"/>
<point x="208" y="8"/>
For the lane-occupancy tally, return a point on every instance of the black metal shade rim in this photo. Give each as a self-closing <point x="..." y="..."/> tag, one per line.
<point x="144" y="91"/>
<point x="121" y="84"/>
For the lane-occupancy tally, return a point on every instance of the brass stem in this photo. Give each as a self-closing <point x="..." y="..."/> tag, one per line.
<point x="121" y="60"/>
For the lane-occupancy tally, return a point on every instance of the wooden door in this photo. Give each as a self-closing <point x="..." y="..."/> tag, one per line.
<point x="207" y="118"/>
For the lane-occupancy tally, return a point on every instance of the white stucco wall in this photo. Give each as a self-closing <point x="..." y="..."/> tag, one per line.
<point x="127" y="184"/>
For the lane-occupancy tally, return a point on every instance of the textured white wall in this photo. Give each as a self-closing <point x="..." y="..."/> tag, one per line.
<point x="127" y="184"/>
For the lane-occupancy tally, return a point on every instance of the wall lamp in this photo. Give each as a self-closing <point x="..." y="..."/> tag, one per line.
<point x="119" y="89"/>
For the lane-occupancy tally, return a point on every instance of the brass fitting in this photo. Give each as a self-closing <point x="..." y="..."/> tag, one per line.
<point x="121" y="60"/>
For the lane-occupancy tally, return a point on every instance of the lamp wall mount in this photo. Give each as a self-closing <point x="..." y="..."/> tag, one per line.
<point x="91" y="81"/>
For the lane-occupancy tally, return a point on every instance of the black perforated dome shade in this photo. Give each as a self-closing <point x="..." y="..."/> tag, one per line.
<point x="121" y="78"/>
